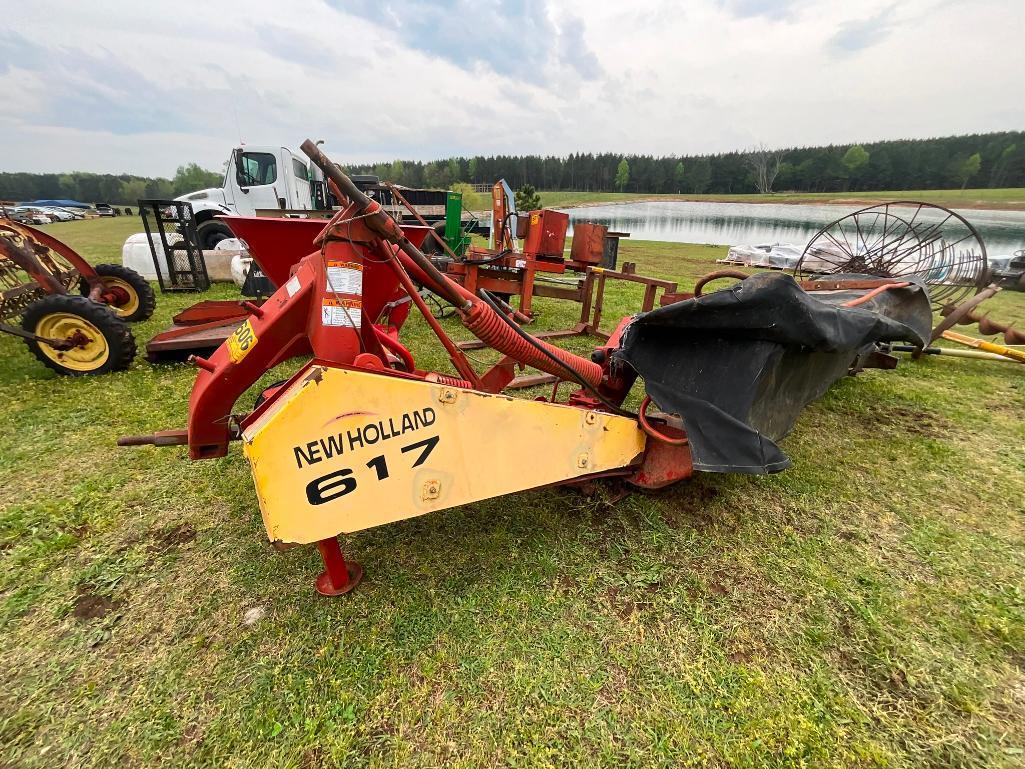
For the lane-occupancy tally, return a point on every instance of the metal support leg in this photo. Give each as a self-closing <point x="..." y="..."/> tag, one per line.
<point x="338" y="576"/>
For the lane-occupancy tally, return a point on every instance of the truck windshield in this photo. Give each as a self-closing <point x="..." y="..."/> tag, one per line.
<point x="257" y="168"/>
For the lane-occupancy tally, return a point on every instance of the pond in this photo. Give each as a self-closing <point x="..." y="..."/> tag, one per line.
<point x="733" y="224"/>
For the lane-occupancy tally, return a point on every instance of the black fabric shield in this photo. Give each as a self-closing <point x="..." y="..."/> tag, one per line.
<point x="740" y="365"/>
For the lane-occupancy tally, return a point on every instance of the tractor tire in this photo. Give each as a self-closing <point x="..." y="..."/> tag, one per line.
<point x="108" y="344"/>
<point x="141" y="300"/>
<point x="211" y="232"/>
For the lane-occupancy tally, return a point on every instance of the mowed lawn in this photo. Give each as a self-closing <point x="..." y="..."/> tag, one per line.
<point x="864" y="608"/>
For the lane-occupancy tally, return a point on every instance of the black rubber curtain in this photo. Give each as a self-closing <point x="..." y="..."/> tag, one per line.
<point x="739" y="365"/>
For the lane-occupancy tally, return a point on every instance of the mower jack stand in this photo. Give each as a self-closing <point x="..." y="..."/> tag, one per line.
<point x="338" y="577"/>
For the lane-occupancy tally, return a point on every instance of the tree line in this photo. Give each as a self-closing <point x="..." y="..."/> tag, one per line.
<point x="105" y="188"/>
<point x="978" y="160"/>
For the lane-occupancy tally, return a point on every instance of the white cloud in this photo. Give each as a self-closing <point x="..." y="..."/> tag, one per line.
<point x="144" y="87"/>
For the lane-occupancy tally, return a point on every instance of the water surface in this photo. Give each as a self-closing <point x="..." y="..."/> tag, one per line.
<point x="732" y="224"/>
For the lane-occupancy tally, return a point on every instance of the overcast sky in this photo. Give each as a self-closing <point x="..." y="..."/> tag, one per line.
<point x="143" y="87"/>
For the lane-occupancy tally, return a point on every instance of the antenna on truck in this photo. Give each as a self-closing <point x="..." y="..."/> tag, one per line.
<point x="238" y="127"/>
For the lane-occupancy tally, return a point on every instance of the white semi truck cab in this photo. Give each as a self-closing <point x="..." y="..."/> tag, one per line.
<point x="257" y="177"/>
<point x="264" y="178"/>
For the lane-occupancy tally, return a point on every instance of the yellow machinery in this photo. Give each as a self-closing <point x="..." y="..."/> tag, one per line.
<point x="413" y="447"/>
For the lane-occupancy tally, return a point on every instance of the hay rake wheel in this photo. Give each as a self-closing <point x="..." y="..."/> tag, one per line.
<point x="904" y="239"/>
<point x="73" y="335"/>
<point x="18" y="286"/>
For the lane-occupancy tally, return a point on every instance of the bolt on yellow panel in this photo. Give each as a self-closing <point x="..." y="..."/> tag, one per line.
<point x="340" y="451"/>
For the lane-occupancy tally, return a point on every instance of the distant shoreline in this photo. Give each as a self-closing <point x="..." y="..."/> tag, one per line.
<point x="995" y="200"/>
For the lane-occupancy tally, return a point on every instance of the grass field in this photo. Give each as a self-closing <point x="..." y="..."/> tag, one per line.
<point x="865" y="608"/>
<point x="1013" y="199"/>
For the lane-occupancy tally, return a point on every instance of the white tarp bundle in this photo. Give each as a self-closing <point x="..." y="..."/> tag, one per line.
<point x="785" y="256"/>
<point x="781" y="256"/>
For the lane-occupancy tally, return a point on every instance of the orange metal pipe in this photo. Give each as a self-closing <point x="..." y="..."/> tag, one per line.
<point x="874" y="293"/>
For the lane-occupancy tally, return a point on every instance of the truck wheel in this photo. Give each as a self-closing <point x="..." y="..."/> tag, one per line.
<point x="211" y="232"/>
<point x="133" y="296"/>
<point x="102" y="341"/>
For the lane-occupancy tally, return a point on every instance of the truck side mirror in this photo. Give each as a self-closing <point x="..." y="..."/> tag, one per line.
<point x="240" y="175"/>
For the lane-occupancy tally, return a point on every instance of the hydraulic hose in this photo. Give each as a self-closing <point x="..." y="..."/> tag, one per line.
<point x="704" y="280"/>
<point x="379" y="221"/>
<point x="396" y="347"/>
<point x="873" y="294"/>
<point x="482" y="320"/>
<point x="488" y="326"/>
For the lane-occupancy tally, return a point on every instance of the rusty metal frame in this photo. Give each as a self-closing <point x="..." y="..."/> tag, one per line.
<point x="964" y="314"/>
<point x="52" y="267"/>
<point x="416" y="214"/>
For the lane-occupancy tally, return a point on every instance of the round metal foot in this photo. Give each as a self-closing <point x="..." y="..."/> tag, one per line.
<point x="326" y="587"/>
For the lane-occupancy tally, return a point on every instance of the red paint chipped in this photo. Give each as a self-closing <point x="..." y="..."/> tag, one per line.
<point x="348" y="414"/>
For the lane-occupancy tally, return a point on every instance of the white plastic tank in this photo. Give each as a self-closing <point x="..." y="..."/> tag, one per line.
<point x="240" y="268"/>
<point x="240" y="259"/>
<point x="135" y="253"/>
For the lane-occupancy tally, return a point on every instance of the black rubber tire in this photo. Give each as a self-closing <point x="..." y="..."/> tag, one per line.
<point x="143" y="290"/>
<point x="431" y="246"/>
<point x="211" y="232"/>
<point x="116" y="333"/>
<point x="262" y="397"/>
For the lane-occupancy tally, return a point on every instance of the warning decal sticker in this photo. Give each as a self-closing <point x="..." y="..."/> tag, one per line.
<point x="344" y="277"/>
<point x="341" y="312"/>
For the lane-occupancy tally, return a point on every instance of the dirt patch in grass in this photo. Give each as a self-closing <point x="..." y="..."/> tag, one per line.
<point x="315" y="758"/>
<point x="620" y="604"/>
<point x="716" y="588"/>
<point x="907" y="419"/>
<point x="1011" y="407"/>
<point x="192" y="736"/>
<point x="688" y="505"/>
<point x="740" y="656"/>
<point x="169" y="539"/>
<point x="91" y="605"/>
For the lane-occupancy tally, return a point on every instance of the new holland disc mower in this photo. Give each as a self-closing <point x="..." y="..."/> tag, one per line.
<point x="362" y="436"/>
<point x="74" y="317"/>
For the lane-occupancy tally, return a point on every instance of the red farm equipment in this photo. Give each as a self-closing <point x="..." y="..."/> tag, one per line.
<point x="74" y="317"/>
<point x="361" y="435"/>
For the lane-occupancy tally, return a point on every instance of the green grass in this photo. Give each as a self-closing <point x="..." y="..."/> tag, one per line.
<point x="984" y="198"/>
<point x="865" y="608"/>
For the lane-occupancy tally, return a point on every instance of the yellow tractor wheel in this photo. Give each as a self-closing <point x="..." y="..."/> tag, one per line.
<point x="128" y="294"/>
<point x="78" y="336"/>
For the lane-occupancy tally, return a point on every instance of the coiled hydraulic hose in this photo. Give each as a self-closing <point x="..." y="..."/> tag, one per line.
<point x="451" y="381"/>
<point x="480" y="318"/>
<point x="485" y="324"/>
